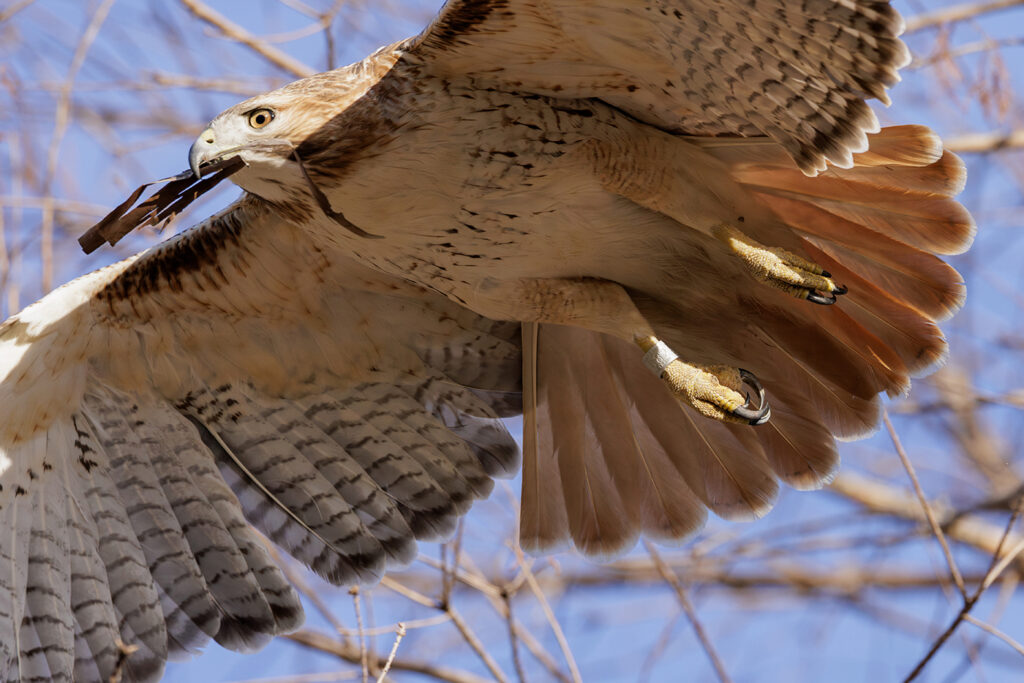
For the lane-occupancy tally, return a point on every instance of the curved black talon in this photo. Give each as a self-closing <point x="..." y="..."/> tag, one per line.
<point x="816" y="297"/>
<point x="763" y="412"/>
<point x="828" y="298"/>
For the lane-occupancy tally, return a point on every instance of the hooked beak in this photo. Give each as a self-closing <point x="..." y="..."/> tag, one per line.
<point x="200" y="151"/>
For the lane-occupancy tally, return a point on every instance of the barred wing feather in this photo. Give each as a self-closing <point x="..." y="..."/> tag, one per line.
<point x="795" y="71"/>
<point x="238" y="377"/>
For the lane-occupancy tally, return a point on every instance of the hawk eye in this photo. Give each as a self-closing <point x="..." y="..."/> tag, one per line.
<point x="260" y="117"/>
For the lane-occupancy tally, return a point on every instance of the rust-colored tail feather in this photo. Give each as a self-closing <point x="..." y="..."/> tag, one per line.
<point x="609" y="454"/>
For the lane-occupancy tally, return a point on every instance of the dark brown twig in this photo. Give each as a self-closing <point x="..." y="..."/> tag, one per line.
<point x="180" y="191"/>
<point x="996" y="565"/>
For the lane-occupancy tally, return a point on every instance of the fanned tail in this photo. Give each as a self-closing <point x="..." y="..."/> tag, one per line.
<point x="879" y="227"/>
<point x="887" y="218"/>
<point x="610" y="455"/>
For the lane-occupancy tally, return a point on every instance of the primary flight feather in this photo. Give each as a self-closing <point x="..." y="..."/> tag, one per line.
<point x="669" y="233"/>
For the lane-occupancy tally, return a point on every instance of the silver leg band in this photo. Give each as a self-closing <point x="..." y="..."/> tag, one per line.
<point x="658" y="357"/>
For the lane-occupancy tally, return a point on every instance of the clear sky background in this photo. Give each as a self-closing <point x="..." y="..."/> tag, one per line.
<point x="153" y="75"/>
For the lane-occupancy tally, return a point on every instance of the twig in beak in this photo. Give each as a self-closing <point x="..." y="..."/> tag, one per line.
<point x="180" y="191"/>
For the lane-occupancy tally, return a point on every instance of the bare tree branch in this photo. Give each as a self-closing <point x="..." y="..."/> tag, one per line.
<point x="878" y="496"/>
<point x="996" y="632"/>
<point x="954" y="571"/>
<point x="324" y="643"/>
<point x="236" y="32"/>
<point x="956" y="13"/>
<point x="982" y="143"/>
<point x="61" y="120"/>
<point x="691" y="613"/>
<point x="994" y="569"/>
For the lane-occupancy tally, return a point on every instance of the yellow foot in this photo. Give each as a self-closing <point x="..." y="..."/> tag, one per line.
<point x="782" y="269"/>
<point x="715" y="391"/>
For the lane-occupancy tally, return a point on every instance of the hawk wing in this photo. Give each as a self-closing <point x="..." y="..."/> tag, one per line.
<point x="607" y="454"/>
<point x="798" y="72"/>
<point x="152" y="407"/>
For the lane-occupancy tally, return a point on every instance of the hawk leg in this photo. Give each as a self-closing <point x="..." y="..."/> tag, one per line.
<point x="781" y="269"/>
<point x="715" y="391"/>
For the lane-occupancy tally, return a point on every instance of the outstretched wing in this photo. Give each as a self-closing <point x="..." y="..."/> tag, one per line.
<point x="238" y="372"/>
<point x="796" y="71"/>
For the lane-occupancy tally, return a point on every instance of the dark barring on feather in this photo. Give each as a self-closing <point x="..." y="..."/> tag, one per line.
<point x="828" y="298"/>
<point x="325" y="204"/>
<point x="753" y="416"/>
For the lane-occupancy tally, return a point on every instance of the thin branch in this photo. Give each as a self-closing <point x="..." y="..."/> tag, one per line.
<point x="556" y="628"/>
<point x="448" y="571"/>
<point x="475" y="644"/>
<point x="399" y="634"/>
<point x="799" y="579"/>
<point x="325" y="677"/>
<point x="977" y="46"/>
<point x="969" y="602"/>
<point x="997" y="569"/>
<point x="14" y="9"/>
<point x="5" y="259"/>
<point x="298" y="580"/>
<point x="957" y="13"/>
<point x="943" y="637"/>
<point x="236" y="32"/>
<point x="363" y="654"/>
<point x="234" y="86"/>
<point x="14" y="254"/>
<point x="66" y="205"/>
<point x="409" y="593"/>
<point x="512" y="639"/>
<point x="996" y="632"/>
<point x="981" y="143"/>
<point x="350" y="653"/>
<point x="691" y="613"/>
<point x="474" y="581"/>
<point x="881" y="497"/>
<point x="310" y="29"/>
<point x="659" y="648"/>
<point x="954" y="571"/>
<point x="410" y="625"/>
<point x="998" y="563"/>
<point x="496" y="593"/>
<point x="62" y="117"/>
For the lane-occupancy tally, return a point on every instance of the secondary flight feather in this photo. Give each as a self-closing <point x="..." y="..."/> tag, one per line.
<point x="671" y="234"/>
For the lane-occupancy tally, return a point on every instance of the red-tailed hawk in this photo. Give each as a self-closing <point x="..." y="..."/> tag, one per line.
<point x="603" y="215"/>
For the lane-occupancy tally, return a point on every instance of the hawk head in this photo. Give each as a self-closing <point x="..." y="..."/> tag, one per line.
<point x="264" y="131"/>
<point x="311" y="124"/>
<point x="278" y="146"/>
